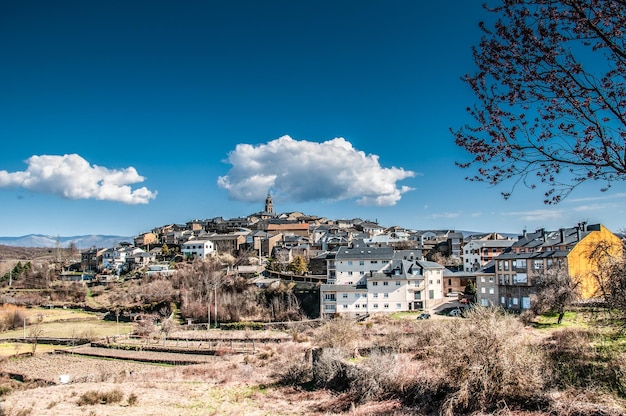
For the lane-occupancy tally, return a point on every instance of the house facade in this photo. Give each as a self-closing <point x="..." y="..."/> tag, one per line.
<point x="536" y="253"/>
<point x="199" y="248"/>
<point x="477" y="253"/>
<point x="363" y="279"/>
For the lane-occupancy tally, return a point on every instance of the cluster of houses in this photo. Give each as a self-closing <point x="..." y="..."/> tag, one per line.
<point x="366" y="268"/>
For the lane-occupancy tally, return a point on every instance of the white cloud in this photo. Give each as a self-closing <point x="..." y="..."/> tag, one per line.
<point x="72" y="177"/>
<point x="305" y="171"/>
<point x="537" y="215"/>
<point x="594" y="207"/>
<point x="445" y="215"/>
<point x="597" y="198"/>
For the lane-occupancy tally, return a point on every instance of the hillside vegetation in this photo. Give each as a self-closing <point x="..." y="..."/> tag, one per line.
<point x="485" y="363"/>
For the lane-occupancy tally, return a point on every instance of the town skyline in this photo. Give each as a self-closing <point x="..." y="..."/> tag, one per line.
<point x="117" y="117"/>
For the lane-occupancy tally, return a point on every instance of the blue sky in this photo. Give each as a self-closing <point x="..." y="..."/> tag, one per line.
<point x="120" y="116"/>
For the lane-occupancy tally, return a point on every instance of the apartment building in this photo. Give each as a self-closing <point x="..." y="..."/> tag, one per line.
<point x="363" y="279"/>
<point x="535" y="253"/>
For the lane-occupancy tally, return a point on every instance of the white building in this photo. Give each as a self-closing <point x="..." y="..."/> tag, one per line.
<point x="197" y="248"/>
<point x="365" y="279"/>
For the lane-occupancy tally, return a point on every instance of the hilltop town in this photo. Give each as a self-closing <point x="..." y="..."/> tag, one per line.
<point x="351" y="267"/>
<point x="325" y="315"/>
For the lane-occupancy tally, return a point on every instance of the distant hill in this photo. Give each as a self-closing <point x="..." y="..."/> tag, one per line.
<point x="80" y="241"/>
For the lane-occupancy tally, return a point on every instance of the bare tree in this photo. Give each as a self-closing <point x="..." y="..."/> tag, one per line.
<point x="610" y="276"/>
<point x="35" y="330"/>
<point x="551" y="96"/>
<point x="555" y="291"/>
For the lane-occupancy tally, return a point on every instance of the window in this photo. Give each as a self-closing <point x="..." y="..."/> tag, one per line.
<point x="514" y="278"/>
<point x="417" y="295"/>
<point x="374" y="283"/>
<point x="375" y="306"/>
<point x="492" y="291"/>
<point x="357" y="306"/>
<point x="483" y="290"/>
<point x="506" y="265"/>
<point x="385" y="283"/>
<point x="350" y="263"/>
<point x="386" y="306"/>
<point x="515" y="301"/>
<point x="482" y="279"/>
<point x="374" y="261"/>
<point x="502" y="301"/>
<point x="349" y="273"/>
<point x="499" y="265"/>
<point x="521" y="264"/>
<point x="386" y="295"/>
<point x="438" y="281"/>
<point x="375" y="295"/>
<point x="362" y="273"/>
<point x="361" y="263"/>
<point x="345" y="306"/>
<point x="490" y="279"/>
<point x="398" y="306"/>
<point x="538" y="264"/>
<point x="431" y="294"/>
<point x="345" y="296"/>
<point x="329" y="296"/>
<point x="398" y="283"/>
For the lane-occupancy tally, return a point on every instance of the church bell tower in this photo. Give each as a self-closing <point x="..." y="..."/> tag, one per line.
<point x="269" y="205"/>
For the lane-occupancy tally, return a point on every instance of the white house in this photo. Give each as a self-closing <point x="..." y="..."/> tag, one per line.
<point x="364" y="279"/>
<point x="197" y="248"/>
<point x="115" y="258"/>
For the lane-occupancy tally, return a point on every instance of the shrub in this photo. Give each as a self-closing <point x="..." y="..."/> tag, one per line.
<point x="487" y="363"/>
<point x="295" y="374"/>
<point x="12" y="317"/>
<point x="97" y="397"/>
<point x="132" y="399"/>
<point x="338" y="333"/>
<point x="243" y="325"/>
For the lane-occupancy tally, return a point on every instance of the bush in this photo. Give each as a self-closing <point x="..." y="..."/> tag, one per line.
<point x="487" y="363"/>
<point x="295" y="374"/>
<point x="12" y="317"/>
<point x="242" y="325"/>
<point x="97" y="397"/>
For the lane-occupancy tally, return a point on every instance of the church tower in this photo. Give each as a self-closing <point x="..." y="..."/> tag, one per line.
<point x="269" y="205"/>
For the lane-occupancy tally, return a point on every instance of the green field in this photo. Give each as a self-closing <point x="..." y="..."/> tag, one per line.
<point x="67" y="323"/>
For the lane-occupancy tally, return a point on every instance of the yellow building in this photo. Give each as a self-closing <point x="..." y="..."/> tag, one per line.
<point x="585" y="250"/>
<point x="593" y="253"/>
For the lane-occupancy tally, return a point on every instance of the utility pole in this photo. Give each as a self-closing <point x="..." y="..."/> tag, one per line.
<point x="215" y="296"/>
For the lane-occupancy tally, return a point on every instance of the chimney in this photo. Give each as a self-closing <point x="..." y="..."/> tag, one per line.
<point x="562" y="232"/>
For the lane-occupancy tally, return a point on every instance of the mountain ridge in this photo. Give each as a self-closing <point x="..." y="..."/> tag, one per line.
<point x="80" y="241"/>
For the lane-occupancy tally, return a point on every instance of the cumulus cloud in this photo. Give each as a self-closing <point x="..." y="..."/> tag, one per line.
<point x="72" y="177"/>
<point x="306" y="171"/>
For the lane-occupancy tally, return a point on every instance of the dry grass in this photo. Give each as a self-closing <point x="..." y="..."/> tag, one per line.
<point x="485" y="364"/>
